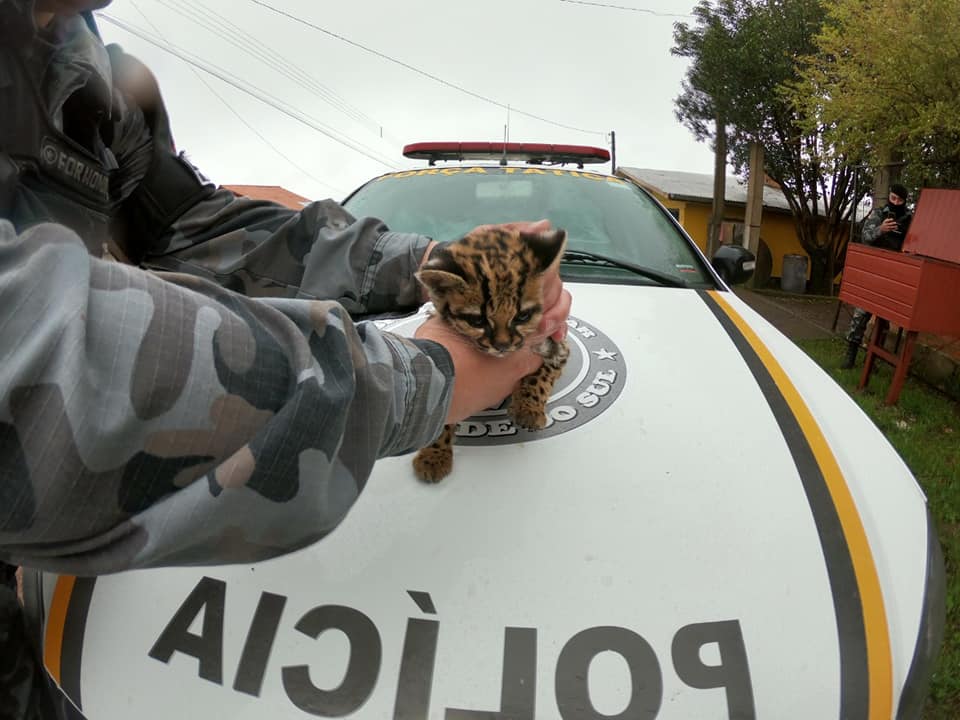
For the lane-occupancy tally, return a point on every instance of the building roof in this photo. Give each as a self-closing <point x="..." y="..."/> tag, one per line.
<point x="273" y="193"/>
<point x="699" y="187"/>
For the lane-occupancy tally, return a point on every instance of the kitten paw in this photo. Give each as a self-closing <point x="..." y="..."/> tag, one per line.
<point x="433" y="464"/>
<point x="530" y="417"/>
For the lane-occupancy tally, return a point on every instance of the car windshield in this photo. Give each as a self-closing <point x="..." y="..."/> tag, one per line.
<point x="604" y="216"/>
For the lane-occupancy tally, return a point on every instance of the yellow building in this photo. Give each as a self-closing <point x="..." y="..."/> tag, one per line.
<point x="689" y="197"/>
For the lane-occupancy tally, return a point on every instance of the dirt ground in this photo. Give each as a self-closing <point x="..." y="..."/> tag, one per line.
<point x="799" y="317"/>
<point x="809" y="317"/>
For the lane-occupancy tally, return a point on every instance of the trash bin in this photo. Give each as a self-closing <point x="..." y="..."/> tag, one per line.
<point x="794" y="278"/>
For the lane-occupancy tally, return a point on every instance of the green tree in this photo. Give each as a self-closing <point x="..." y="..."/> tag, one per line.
<point x="746" y="78"/>
<point x="885" y="80"/>
<point x="710" y="88"/>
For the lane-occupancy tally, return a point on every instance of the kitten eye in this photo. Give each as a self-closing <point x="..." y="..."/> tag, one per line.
<point x="523" y="316"/>
<point x="475" y="321"/>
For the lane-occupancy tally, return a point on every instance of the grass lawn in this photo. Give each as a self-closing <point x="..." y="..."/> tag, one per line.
<point x="924" y="427"/>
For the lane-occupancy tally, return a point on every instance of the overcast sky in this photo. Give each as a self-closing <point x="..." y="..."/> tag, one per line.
<point x="586" y="67"/>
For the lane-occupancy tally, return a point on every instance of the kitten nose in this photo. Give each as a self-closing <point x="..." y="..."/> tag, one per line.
<point x="502" y="341"/>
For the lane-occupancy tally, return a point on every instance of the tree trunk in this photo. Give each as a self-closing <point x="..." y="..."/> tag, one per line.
<point x="821" y="278"/>
<point x="831" y="270"/>
<point x="821" y="262"/>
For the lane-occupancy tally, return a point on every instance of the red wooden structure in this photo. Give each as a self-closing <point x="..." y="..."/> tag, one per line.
<point x="917" y="289"/>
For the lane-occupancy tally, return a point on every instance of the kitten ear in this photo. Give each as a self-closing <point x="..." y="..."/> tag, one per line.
<point x="442" y="259"/>
<point x="441" y="273"/>
<point x="440" y="282"/>
<point x="547" y="246"/>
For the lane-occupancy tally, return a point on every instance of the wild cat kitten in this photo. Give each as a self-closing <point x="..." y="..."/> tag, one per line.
<point x="488" y="286"/>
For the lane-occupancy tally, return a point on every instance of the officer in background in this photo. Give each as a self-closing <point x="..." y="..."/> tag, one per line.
<point x="885" y="227"/>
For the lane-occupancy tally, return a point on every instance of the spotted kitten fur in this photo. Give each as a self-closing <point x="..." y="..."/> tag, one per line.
<point x="488" y="287"/>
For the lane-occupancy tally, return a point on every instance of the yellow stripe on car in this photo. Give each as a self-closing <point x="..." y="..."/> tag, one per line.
<point x="879" y="660"/>
<point x="56" y="622"/>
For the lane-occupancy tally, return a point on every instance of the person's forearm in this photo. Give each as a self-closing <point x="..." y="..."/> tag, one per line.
<point x="320" y="252"/>
<point x="148" y="421"/>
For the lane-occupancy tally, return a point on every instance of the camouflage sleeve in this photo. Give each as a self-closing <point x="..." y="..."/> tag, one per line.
<point x="871" y="227"/>
<point x="150" y="420"/>
<point x="321" y="252"/>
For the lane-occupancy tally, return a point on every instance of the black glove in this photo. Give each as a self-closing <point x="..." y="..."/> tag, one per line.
<point x="17" y="665"/>
<point x="25" y="691"/>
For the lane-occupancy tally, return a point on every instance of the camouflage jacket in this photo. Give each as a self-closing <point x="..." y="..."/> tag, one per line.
<point x="155" y="420"/>
<point x="893" y="240"/>
<point x="227" y="409"/>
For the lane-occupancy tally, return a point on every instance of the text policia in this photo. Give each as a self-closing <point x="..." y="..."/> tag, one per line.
<point x="370" y="665"/>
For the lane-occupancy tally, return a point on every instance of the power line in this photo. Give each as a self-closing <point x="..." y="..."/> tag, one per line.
<point x="632" y="9"/>
<point x="240" y="117"/>
<point x="248" y="88"/>
<point x="424" y="73"/>
<point x="259" y="94"/>
<point x="222" y="27"/>
<point x="238" y="38"/>
<point x="335" y="98"/>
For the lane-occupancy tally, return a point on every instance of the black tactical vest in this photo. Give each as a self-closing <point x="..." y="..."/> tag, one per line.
<point x="47" y="177"/>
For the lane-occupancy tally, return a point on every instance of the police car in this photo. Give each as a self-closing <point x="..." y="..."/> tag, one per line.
<point x="709" y="527"/>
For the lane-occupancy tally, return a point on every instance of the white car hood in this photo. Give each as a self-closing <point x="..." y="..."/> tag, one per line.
<point x="662" y="555"/>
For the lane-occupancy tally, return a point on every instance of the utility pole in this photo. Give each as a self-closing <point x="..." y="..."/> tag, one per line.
<point x="887" y="173"/>
<point x="613" y="152"/>
<point x="754" y="212"/>
<point x="719" y="187"/>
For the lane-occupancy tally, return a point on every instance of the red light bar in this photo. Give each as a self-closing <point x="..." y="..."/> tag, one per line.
<point x="533" y="153"/>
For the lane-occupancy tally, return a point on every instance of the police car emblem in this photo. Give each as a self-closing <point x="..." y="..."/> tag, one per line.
<point x="591" y="382"/>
